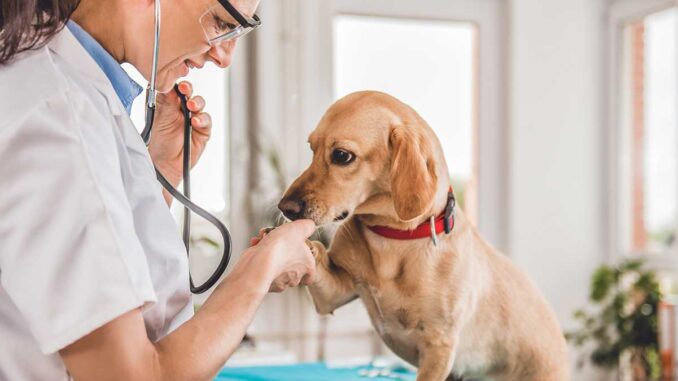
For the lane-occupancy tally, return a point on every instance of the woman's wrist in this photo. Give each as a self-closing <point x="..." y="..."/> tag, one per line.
<point x="255" y="270"/>
<point x="169" y="172"/>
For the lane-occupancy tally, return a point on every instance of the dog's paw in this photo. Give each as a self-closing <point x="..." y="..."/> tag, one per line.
<point x="317" y="248"/>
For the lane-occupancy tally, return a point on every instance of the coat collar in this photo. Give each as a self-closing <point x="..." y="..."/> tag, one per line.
<point x="125" y="88"/>
<point x="67" y="47"/>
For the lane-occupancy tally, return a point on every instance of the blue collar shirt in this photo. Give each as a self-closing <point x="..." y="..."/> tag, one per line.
<point x="125" y="87"/>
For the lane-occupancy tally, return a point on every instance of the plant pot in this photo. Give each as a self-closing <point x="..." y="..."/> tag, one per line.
<point x="632" y="366"/>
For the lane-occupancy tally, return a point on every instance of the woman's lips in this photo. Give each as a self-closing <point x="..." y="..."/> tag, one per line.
<point x="186" y="66"/>
<point x="193" y="64"/>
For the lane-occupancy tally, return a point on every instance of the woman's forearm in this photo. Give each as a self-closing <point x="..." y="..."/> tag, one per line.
<point x="201" y="346"/>
<point x="121" y="350"/>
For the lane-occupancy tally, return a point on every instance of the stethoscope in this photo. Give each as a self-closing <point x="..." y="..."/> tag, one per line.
<point x="184" y="197"/>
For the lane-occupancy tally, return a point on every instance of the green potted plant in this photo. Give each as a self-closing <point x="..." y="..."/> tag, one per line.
<point x="622" y="329"/>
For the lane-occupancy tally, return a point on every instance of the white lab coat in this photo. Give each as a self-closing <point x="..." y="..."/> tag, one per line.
<point x="85" y="234"/>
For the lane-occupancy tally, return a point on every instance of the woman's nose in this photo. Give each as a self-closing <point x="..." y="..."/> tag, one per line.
<point x="221" y="53"/>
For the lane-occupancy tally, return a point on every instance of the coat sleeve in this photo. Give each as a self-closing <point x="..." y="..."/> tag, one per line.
<point x="70" y="259"/>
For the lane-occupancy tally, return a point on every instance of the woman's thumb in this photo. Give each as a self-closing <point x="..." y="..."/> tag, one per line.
<point x="304" y="227"/>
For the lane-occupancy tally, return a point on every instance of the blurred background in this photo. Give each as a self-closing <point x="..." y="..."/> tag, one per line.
<point x="558" y="121"/>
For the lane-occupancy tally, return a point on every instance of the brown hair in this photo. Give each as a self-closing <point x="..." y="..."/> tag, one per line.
<point x="29" y="24"/>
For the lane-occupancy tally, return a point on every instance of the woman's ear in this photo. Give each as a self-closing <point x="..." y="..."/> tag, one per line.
<point x="413" y="172"/>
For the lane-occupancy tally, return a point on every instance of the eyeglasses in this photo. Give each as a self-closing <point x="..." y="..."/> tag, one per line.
<point x="222" y="22"/>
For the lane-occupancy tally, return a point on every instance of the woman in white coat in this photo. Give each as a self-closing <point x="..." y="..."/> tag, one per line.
<point x="93" y="275"/>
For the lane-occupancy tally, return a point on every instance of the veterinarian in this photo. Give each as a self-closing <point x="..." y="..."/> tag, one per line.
<point x="93" y="275"/>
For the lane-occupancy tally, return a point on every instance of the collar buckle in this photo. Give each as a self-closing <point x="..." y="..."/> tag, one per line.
<point x="449" y="212"/>
<point x="434" y="235"/>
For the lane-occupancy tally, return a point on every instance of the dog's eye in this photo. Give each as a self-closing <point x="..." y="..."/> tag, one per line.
<point x="341" y="157"/>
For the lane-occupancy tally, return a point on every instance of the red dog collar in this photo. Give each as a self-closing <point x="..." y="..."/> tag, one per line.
<point x="443" y="223"/>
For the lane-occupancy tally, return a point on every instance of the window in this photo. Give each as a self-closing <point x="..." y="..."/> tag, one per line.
<point x="649" y="134"/>
<point x="209" y="178"/>
<point x="444" y="58"/>
<point x="429" y="65"/>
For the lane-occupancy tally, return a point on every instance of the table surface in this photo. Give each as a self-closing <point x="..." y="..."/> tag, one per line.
<point x="306" y="372"/>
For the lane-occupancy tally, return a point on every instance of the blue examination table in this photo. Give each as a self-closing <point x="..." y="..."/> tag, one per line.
<point x="310" y="372"/>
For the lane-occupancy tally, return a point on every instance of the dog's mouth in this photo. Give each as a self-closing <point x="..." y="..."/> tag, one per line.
<point x="341" y="217"/>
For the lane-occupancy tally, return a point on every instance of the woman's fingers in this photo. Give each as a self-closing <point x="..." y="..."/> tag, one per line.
<point x="280" y="283"/>
<point x="186" y="88"/>
<point x="308" y="279"/>
<point x="196" y="104"/>
<point x="262" y="233"/>
<point x="287" y="280"/>
<point x="292" y="257"/>
<point x="296" y="229"/>
<point x="202" y="121"/>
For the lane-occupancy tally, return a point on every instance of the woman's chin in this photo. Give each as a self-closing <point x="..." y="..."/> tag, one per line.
<point x="167" y="85"/>
<point x="164" y="88"/>
<point x="165" y="81"/>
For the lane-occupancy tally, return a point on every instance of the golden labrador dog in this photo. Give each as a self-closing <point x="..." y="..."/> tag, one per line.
<point x="454" y="308"/>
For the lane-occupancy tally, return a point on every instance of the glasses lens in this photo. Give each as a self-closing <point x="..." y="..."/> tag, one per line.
<point x="220" y="26"/>
<point x="236" y="33"/>
<point x="217" y="24"/>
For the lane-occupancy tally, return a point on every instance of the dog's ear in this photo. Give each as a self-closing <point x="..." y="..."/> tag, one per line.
<point x="413" y="172"/>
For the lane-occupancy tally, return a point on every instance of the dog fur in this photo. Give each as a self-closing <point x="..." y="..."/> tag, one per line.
<point x="458" y="309"/>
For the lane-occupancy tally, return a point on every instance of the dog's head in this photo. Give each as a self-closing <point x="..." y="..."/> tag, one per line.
<point x="372" y="154"/>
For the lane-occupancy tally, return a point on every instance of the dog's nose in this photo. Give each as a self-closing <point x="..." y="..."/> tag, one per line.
<point x="292" y="208"/>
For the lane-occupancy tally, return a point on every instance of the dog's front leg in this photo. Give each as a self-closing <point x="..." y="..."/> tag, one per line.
<point x="435" y="362"/>
<point x="332" y="287"/>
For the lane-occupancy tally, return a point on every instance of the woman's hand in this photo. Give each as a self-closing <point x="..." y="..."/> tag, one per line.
<point x="262" y="232"/>
<point x="286" y="253"/>
<point x="167" y="139"/>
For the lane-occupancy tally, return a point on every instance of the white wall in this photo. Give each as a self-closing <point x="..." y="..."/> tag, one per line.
<point x="556" y="113"/>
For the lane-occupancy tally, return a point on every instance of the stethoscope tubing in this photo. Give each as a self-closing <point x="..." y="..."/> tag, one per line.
<point x="190" y="206"/>
<point x="185" y="197"/>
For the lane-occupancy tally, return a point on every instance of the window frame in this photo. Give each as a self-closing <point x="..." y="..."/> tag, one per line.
<point x="283" y="78"/>
<point x="621" y="14"/>
<point x="490" y="117"/>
